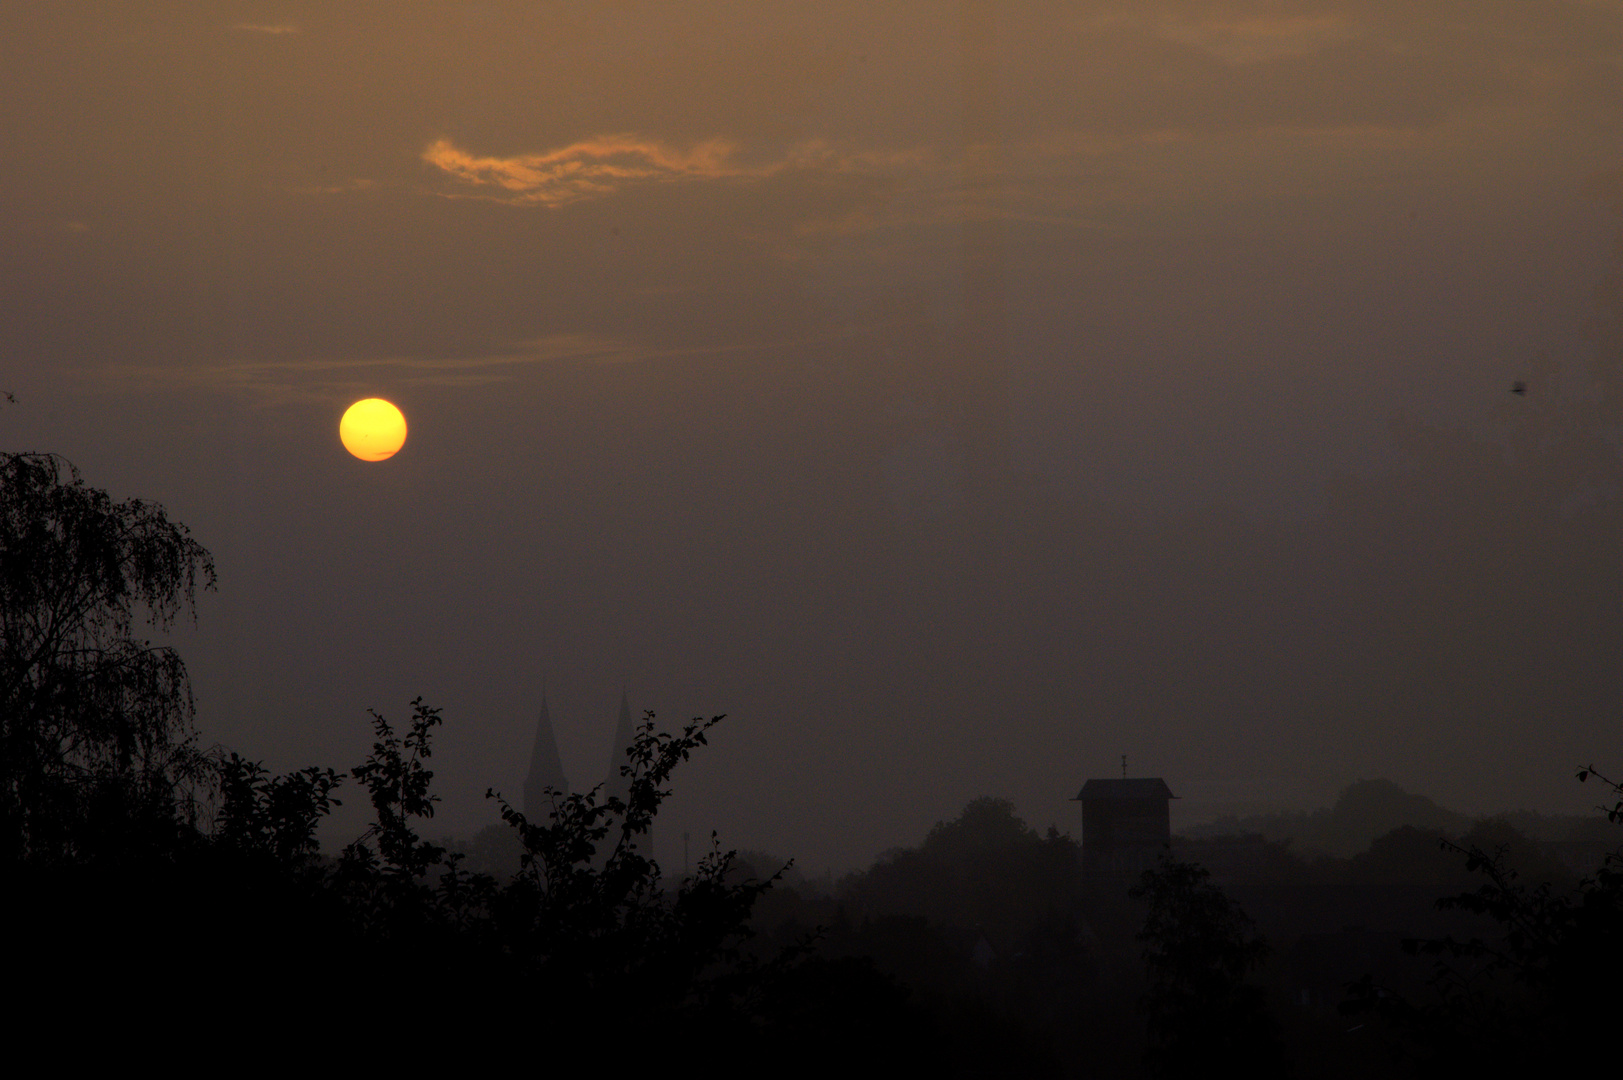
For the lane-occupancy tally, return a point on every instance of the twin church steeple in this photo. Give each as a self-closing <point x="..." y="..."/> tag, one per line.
<point x="546" y="766"/>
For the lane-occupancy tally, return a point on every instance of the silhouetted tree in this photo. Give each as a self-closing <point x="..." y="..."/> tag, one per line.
<point x="594" y="907"/>
<point x="1199" y="948"/>
<point x="587" y="919"/>
<point x="238" y="919"/>
<point x="95" y="723"/>
<point x="1538" y="990"/>
<point x="398" y="782"/>
<point x="986" y="872"/>
<point x="272" y="816"/>
<point x="1614" y="813"/>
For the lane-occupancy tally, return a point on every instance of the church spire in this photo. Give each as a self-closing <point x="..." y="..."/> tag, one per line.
<point x="546" y="767"/>
<point x="624" y="735"/>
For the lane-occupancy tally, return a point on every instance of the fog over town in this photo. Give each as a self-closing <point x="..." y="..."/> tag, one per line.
<point x="957" y="398"/>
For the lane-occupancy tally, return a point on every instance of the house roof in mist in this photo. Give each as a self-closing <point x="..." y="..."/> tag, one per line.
<point x="1141" y="788"/>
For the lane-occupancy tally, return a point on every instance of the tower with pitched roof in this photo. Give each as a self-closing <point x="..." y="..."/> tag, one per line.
<point x="1126" y="826"/>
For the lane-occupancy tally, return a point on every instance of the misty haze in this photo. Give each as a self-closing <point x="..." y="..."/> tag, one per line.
<point x="1135" y="482"/>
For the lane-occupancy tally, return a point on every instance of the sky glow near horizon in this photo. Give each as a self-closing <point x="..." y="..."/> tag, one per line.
<point x="956" y="397"/>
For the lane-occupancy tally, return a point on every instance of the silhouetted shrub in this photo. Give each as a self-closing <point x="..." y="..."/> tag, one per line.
<point x="1199" y="948"/>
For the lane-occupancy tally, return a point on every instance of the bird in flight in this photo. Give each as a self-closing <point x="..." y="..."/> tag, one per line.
<point x="1519" y="387"/>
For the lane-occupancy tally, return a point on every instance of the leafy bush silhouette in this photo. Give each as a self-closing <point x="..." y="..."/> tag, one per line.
<point x="588" y="919"/>
<point x="606" y="919"/>
<point x="1199" y="948"/>
<point x="1538" y="989"/>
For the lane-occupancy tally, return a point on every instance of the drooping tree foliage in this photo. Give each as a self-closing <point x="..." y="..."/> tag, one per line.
<point x="95" y="721"/>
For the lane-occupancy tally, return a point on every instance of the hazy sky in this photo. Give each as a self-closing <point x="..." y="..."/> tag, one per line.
<point x="958" y="396"/>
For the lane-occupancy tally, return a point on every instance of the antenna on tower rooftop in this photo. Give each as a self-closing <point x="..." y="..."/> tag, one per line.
<point x="1124" y="766"/>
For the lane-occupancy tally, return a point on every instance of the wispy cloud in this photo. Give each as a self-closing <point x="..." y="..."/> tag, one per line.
<point x="1247" y="40"/>
<point x="604" y="164"/>
<point x="49" y="226"/>
<point x="275" y="381"/>
<point x="585" y="169"/>
<point x="266" y="28"/>
<point x="357" y="184"/>
<point x="1235" y="33"/>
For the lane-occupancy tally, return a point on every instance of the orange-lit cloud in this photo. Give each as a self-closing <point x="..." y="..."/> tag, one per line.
<point x="585" y="169"/>
<point x="592" y="168"/>
<point x="267" y="28"/>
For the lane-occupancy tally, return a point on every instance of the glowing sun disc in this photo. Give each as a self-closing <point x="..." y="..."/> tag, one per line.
<point x="372" y="429"/>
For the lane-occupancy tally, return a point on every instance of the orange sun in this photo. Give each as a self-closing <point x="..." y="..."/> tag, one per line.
<point x="372" y="429"/>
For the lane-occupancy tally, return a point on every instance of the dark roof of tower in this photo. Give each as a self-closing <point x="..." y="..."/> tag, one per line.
<point x="1145" y="788"/>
